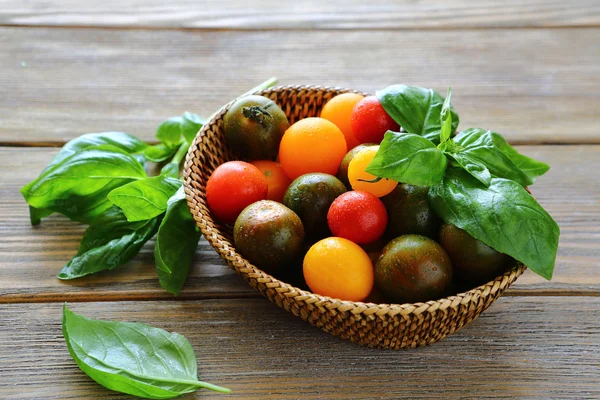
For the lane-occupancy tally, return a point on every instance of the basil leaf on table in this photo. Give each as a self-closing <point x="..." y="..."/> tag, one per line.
<point x="416" y="109"/>
<point x="408" y="158"/>
<point x="145" y="198"/>
<point x="176" y="244"/>
<point x="159" y="153"/>
<point x="190" y="125"/>
<point x="36" y="214"/>
<point x="77" y="185"/>
<point x="169" y="132"/>
<point x="121" y="140"/>
<point x="108" y="242"/>
<point x="490" y="149"/>
<point x="133" y="358"/>
<point x="504" y="216"/>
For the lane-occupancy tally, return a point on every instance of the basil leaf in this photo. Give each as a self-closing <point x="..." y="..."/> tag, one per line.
<point x="169" y="132"/>
<point x="474" y="167"/>
<point x="504" y="216"/>
<point x="124" y="141"/>
<point x="408" y="158"/>
<point x="482" y="146"/>
<point x="416" y="109"/>
<point x="145" y="198"/>
<point x="36" y="214"/>
<point x="190" y="125"/>
<point x="446" y="119"/>
<point x="77" y="186"/>
<point x="176" y="244"/>
<point x="133" y="358"/>
<point x="159" y="153"/>
<point x="108" y="242"/>
<point x="171" y="169"/>
<point x="530" y="167"/>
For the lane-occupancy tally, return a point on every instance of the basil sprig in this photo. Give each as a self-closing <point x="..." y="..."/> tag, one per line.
<point x="100" y="179"/>
<point x="133" y="358"/>
<point x="477" y="179"/>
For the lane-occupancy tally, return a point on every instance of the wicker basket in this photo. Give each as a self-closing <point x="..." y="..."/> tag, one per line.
<point x="390" y="326"/>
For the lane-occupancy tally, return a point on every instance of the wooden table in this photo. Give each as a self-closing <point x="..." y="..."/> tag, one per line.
<point x="530" y="70"/>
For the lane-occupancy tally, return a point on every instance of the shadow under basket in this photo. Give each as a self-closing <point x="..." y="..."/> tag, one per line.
<point x="389" y="326"/>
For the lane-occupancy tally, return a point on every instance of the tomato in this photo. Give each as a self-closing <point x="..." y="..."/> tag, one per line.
<point x="253" y="127"/>
<point x="357" y="216"/>
<point x="339" y="268"/>
<point x="312" y="145"/>
<point x="269" y="235"/>
<point x="339" y="111"/>
<point x="276" y="178"/>
<point x="232" y="187"/>
<point x="370" y="121"/>
<point x="361" y="180"/>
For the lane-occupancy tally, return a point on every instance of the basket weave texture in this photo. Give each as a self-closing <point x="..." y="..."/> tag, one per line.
<point x="390" y="326"/>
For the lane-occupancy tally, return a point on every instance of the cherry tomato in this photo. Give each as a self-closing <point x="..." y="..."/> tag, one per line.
<point x="232" y="187"/>
<point x="357" y="216"/>
<point x="370" y="121"/>
<point x="276" y="178"/>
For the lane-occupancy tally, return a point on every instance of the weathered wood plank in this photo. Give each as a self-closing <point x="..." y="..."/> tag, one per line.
<point x="30" y="257"/>
<point x="522" y="347"/>
<point x="273" y="14"/>
<point x="59" y="83"/>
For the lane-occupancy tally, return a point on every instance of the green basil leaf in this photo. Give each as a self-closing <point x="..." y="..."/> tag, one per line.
<point x="124" y="141"/>
<point x="408" y="158"/>
<point x="169" y="132"/>
<point x="36" y="214"/>
<point x="77" y="186"/>
<point x="446" y="119"/>
<point x="530" y="167"/>
<point x="133" y="358"/>
<point x="190" y="125"/>
<point x="416" y="109"/>
<point x="145" y="198"/>
<point x="473" y="167"/>
<point x="159" y="153"/>
<point x="482" y="146"/>
<point x="176" y="244"/>
<point x="108" y="242"/>
<point x="171" y="169"/>
<point x="504" y="216"/>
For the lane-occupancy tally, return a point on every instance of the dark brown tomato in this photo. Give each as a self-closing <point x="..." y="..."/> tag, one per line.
<point x="409" y="212"/>
<point x="342" y="173"/>
<point x="413" y="268"/>
<point x="254" y="126"/>
<point x="268" y="234"/>
<point x="474" y="262"/>
<point x="310" y="196"/>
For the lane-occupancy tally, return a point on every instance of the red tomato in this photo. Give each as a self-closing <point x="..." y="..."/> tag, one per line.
<point x="357" y="216"/>
<point x="232" y="187"/>
<point x="370" y="121"/>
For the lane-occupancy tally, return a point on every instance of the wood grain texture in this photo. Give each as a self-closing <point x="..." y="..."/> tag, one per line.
<point x="31" y="257"/>
<point x="521" y="347"/>
<point x="533" y="86"/>
<point x="273" y="14"/>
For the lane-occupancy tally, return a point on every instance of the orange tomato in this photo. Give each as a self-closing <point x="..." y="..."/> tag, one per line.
<point x="339" y="111"/>
<point x="276" y="178"/>
<point x="338" y="268"/>
<point x="312" y="145"/>
<point x="357" y="174"/>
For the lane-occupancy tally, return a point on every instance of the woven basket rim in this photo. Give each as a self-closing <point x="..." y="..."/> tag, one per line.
<point x="229" y="254"/>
